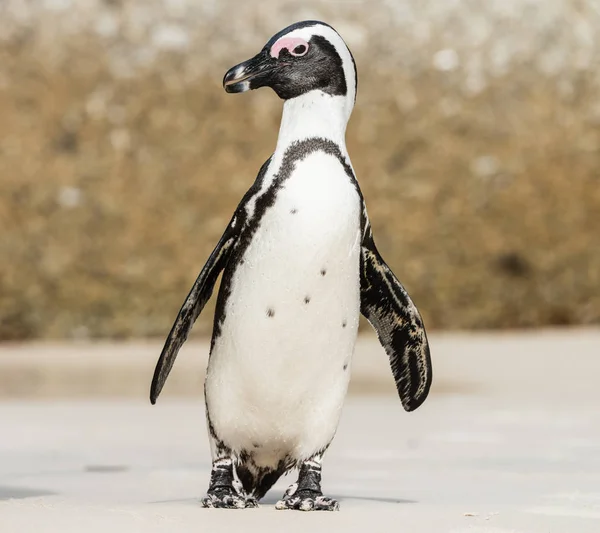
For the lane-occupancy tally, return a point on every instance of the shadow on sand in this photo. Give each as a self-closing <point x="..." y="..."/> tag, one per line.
<point x="18" y="493"/>
<point x="272" y="499"/>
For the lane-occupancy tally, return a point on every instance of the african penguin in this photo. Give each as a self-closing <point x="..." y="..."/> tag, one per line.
<point x="299" y="266"/>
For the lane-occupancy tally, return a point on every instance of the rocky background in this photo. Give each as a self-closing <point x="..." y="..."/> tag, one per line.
<point x="476" y="140"/>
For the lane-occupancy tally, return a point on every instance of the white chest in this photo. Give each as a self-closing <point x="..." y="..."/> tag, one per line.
<point x="292" y="314"/>
<point x="303" y="258"/>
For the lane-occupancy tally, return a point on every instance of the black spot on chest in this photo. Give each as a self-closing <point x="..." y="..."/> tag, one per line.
<point x="248" y="226"/>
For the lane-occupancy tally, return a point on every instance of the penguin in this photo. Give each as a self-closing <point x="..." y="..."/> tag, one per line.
<point x="299" y="265"/>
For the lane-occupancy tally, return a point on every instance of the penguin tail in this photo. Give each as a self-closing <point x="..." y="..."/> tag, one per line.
<point x="257" y="482"/>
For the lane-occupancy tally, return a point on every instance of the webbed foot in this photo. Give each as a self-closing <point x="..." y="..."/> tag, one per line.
<point x="224" y="498"/>
<point x="306" y="495"/>
<point x="224" y="492"/>
<point x="307" y="500"/>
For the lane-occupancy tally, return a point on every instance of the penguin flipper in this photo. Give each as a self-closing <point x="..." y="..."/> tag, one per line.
<point x="202" y="289"/>
<point x="388" y="307"/>
<point x="190" y="310"/>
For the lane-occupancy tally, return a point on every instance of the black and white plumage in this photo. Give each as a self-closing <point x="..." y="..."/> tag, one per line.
<point x="299" y="265"/>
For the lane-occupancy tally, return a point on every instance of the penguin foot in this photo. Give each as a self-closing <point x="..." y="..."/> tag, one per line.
<point x="306" y="494"/>
<point x="306" y="500"/>
<point x="224" y="491"/>
<point x="227" y="498"/>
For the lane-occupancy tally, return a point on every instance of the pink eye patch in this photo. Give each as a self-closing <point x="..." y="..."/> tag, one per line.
<point x="294" y="45"/>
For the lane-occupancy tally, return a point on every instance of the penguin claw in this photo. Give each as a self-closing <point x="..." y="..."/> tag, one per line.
<point x="251" y="502"/>
<point x="308" y="502"/>
<point x="227" y="499"/>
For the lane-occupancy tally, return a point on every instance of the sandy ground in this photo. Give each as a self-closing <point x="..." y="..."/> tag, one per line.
<point x="509" y="442"/>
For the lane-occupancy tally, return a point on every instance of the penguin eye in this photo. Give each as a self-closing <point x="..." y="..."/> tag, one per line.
<point x="300" y="50"/>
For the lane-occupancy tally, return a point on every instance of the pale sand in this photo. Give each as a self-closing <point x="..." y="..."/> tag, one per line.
<point x="463" y="362"/>
<point x="510" y="443"/>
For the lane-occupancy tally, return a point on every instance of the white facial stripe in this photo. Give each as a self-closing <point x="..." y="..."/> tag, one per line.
<point x="340" y="46"/>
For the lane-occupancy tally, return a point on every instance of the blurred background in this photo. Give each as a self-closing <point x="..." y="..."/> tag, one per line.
<point x="476" y="141"/>
<point x="475" y="137"/>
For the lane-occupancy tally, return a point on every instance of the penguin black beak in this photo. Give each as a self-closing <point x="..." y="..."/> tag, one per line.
<point x="250" y="74"/>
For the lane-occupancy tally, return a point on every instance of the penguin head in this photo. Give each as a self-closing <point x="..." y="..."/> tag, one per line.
<point x="306" y="56"/>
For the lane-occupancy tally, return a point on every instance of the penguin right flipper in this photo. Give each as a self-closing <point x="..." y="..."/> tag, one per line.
<point x="396" y="319"/>
<point x="202" y="289"/>
<point x="192" y="307"/>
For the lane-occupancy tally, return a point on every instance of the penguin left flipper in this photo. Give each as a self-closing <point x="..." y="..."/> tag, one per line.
<point x="388" y="307"/>
<point x="192" y="307"/>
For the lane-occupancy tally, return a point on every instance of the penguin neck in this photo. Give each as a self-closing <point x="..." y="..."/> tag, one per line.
<point x="314" y="114"/>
